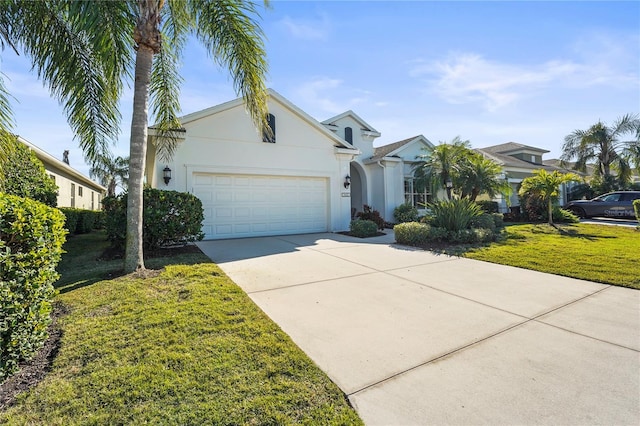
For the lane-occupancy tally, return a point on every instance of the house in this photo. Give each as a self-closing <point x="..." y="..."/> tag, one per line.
<point x="518" y="162"/>
<point x="307" y="176"/>
<point x="74" y="188"/>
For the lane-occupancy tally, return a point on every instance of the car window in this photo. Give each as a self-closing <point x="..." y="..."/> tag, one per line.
<point x="632" y="196"/>
<point x="611" y="197"/>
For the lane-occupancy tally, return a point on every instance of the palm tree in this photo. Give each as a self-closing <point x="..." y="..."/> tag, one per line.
<point x="111" y="172"/>
<point x="437" y="167"/>
<point x="479" y="175"/>
<point x="602" y="145"/>
<point x="84" y="50"/>
<point x="546" y="186"/>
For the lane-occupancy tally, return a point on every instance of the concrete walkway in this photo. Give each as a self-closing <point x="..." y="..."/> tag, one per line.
<point x="417" y="338"/>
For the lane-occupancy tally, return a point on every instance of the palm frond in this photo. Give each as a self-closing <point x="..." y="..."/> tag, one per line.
<point x="232" y="36"/>
<point x="64" y="57"/>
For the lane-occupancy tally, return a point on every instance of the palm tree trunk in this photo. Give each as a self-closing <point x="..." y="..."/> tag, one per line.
<point x="550" y="207"/>
<point x="134" y="259"/>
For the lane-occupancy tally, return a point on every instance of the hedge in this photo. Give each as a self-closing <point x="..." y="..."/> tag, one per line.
<point x="169" y="217"/>
<point x="31" y="239"/>
<point x="80" y="221"/>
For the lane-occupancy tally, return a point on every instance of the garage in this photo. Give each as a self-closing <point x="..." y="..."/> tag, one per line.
<point x="239" y="206"/>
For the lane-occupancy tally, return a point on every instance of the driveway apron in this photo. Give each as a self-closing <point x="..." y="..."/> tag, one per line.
<point x="413" y="337"/>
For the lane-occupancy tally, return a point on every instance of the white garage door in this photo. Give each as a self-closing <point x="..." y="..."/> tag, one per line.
<point x="237" y="206"/>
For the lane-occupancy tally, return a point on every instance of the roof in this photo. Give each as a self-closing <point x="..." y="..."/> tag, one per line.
<point x="511" y="147"/>
<point x="510" y="161"/>
<point x="392" y="148"/>
<point x="569" y="166"/>
<point x="47" y="158"/>
<point x="364" y="125"/>
<point x="186" y="119"/>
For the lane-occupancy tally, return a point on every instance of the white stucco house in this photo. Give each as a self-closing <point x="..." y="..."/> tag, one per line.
<point x="307" y="178"/>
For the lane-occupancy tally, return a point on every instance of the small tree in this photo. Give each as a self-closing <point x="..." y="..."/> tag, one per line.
<point x="111" y="172"/>
<point x="546" y="186"/>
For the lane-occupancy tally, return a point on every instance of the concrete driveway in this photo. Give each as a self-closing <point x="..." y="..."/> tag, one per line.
<point x="417" y="338"/>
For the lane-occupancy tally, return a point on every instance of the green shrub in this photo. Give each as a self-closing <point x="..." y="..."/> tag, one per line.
<point x="438" y="234"/>
<point x="485" y="220"/>
<point x="563" y="216"/>
<point x="471" y="236"/>
<point x="26" y="177"/>
<point x="169" y="217"/>
<point x="636" y="208"/>
<point x="488" y="206"/>
<point x="412" y="233"/>
<point x="31" y="239"/>
<point x="369" y="213"/>
<point x="498" y="220"/>
<point x="363" y="228"/>
<point x="72" y="216"/>
<point x="405" y="213"/>
<point x="455" y="214"/>
<point x="80" y="221"/>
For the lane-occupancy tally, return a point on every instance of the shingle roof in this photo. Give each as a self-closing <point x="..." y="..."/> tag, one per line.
<point x="510" y="161"/>
<point x="382" y="151"/>
<point x="510" y="147"/>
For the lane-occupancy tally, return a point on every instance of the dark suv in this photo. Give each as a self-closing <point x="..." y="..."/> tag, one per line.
<point x="613" y="204"/>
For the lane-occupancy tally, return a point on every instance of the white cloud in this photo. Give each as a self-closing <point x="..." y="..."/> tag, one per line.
<point x="307" y="29"/>
<point x="464" y="78"/>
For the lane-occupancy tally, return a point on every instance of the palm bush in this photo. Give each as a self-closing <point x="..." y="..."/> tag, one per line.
<point x="454" y="214"/>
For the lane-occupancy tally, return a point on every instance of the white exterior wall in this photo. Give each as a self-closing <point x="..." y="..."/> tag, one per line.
<point x="64" y="182"/>
<point x="227" y="142"/>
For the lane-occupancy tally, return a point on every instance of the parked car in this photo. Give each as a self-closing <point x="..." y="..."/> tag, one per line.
<point x="612" y="204"/>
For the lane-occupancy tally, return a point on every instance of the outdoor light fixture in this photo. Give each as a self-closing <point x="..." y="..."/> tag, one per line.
<point x="449" y="185"/>
<point x="347" y="181"/>
<point x="166" y="175"/>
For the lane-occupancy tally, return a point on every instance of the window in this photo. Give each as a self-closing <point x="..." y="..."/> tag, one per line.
<point x="79" y="191"/>
<point x="92" y="204"/>
<point x="73" y="195"/>
<point x="348" y="135"/>
<point x="53" y="178"/>
<point x="415" y="193"/>
<point x="270" y="136"/>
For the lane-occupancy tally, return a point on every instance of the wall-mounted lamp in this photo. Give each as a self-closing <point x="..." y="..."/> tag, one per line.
<point x="449" y="186"/>
<point x="166" y="175"/>
<point x="347" y="181"/>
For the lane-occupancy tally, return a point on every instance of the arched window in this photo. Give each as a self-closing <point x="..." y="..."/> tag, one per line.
<point x="348" y="135"/>
<point x="270" y="136"/>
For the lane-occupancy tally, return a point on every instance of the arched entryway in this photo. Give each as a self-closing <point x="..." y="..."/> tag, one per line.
<point x="358" y="187"/>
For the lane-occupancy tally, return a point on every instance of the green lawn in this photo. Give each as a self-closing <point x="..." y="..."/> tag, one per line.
<point x="186" y="346"/>
<point x="606" y="254"/>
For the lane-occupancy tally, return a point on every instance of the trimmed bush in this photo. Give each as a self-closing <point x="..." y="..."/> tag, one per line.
<point x="31" y="239"/>
<point x="636" y="208"/>
<point x="412" y="233"/>
<point x="485" y="220"/>
<point x="363" y="228"/>
<point x="26" y="177"/>
<point x="455" y="214"/>
<point x="405" y="213"/>
<point x="80" y="221"/>
<point x="72" y="216"/>
<point x="369" y="213"/>
<point x="169" y="217"/>
<point x="498" y="220"/>
<point x="488" y="206"/>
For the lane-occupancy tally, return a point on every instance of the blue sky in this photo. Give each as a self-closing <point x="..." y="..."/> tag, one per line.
<point x="490" y="72"/>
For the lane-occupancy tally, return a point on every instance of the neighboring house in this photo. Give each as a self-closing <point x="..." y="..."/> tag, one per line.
<point x="306" y="178"/>
<point x="518" y="162"/>
<point x="74" y="188"/>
